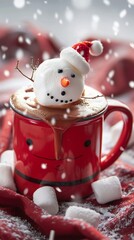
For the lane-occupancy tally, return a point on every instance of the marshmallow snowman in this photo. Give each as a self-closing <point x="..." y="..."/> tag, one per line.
<point x="60" y="81"/>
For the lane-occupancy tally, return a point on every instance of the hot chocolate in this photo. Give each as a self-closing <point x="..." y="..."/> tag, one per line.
<point x="90" y="105"/>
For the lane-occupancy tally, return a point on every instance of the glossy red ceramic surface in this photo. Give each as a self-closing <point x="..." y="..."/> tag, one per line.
<point x="80" y="160"/>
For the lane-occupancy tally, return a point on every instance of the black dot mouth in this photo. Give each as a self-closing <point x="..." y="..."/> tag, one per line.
<point x="63" y="93"/>
<point x="58" y="100"/>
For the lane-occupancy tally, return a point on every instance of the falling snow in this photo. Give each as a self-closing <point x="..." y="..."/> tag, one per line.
<point x="115" y="27"/>
<point x="68" y="110"/>
<point x="19" y="3"/>
<point x="60" y="21"/>
<point x="116" y="54"/>
<point x="95" y="21"/>
<point x="53" y="121"/>
<point x="27" y="65"/>
<point x="131" y="84"/>
<point x="123" y="13"/>
<point x="65" y="116"/>
<point x="56" y="15"/>
<point x="19" y="54"/>
<point x="6" y="73"/>
<point x="7" y="21"/>
<point x="39" y="12"/>
<point x="4" y="48"/>
<point x="44" y="165"/>
<point x="69" y="14"/>
<point x="111" y="73"/>
<point x="103" y="87"/>
<point x="9" y="123"/>
<point x="106" y="2"/>
<point x="28" y="41"/>
<point x="63" y="175"/>
<point x="3" y="56"/>
<point x="132" y="45"/>
<point x="34" y="16"/>
<point x="25" y="191"/>
<point x="30" y="147"/>
<point x="20" y="39"/>
<point x="45" y="55"/>
<point x="58" y="189"/>
<point x="81" y="4"/>
<point x="131" y="2"/>
<point x="3" y="112"/>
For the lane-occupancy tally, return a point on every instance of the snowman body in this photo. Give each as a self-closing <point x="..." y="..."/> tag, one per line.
<point x="57" y="82"/>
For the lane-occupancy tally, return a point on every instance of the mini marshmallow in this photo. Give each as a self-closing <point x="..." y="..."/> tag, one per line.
<point x="7" y="157"/>
<point x="6" y="177"/>
<point x="107" y="189"/>
<point x="45" y="197"/>
<point x="86" y="214"/>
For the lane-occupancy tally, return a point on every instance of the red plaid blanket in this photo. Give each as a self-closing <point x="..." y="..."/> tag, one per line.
<point x="113" y="75"/>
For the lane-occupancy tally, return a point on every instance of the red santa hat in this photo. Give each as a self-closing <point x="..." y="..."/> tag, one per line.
<point x="78" y="55"/>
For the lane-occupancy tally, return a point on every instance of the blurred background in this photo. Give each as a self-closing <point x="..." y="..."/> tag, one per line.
<point x="71" y="20"/>
<point x="41" y="28"/>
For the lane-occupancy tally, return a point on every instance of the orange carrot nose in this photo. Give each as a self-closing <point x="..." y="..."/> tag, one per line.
<point x="65" y="82"/>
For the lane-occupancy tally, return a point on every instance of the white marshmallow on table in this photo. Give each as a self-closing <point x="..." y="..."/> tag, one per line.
<point x="45" y="197"/>
<point x="107" y="189"/>
<point x="86" y="214"/>
<point x="7" y="157"/>
<point x="6" y="177"/>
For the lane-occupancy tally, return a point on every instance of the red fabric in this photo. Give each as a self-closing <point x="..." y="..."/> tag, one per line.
<point x="117" y="217"/>
<point x="117" y="57"/>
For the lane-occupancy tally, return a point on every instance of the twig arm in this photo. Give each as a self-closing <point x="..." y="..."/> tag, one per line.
<point x="17" y="67"/>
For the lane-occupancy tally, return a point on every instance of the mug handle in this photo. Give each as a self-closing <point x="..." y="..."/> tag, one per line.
<point x="114" y="105"/>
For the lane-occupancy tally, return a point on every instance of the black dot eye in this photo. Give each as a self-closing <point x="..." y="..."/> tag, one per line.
<point x="87" y="143"/>
<point x="60" y="71"/>
<point x="29" y="142"/>
<point x="73" y="75"/>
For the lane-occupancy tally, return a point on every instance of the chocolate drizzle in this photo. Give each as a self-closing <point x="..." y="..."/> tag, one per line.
<point x="59" y="119"/>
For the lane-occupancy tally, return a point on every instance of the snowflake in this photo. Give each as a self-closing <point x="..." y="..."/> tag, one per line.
<point x="131" y="84"/>
<point x="6" y="73"/>
<point x="116" y="26"/>
<point x="69" y="14"/>
<point x="131" y="2"/>
<point x="106" y="2"/>
<point x="123" y="13"/>
<point x="19" y="3"/>
<point x="132" y="45"/>
<point x="81" y="4"/>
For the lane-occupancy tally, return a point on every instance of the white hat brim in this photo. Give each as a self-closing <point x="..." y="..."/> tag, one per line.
<point x="74" y="58"/>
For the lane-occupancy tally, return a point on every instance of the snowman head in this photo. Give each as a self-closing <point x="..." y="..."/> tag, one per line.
<point x="57" y="82"/>
<point x="60" y="81"/>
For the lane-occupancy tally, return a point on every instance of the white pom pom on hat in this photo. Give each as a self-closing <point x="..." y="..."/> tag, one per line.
<point x="78" y="55"/>
<point x="96" y="48"/>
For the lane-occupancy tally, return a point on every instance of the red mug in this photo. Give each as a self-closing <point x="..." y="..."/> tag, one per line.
<point x="81" y="159"/>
